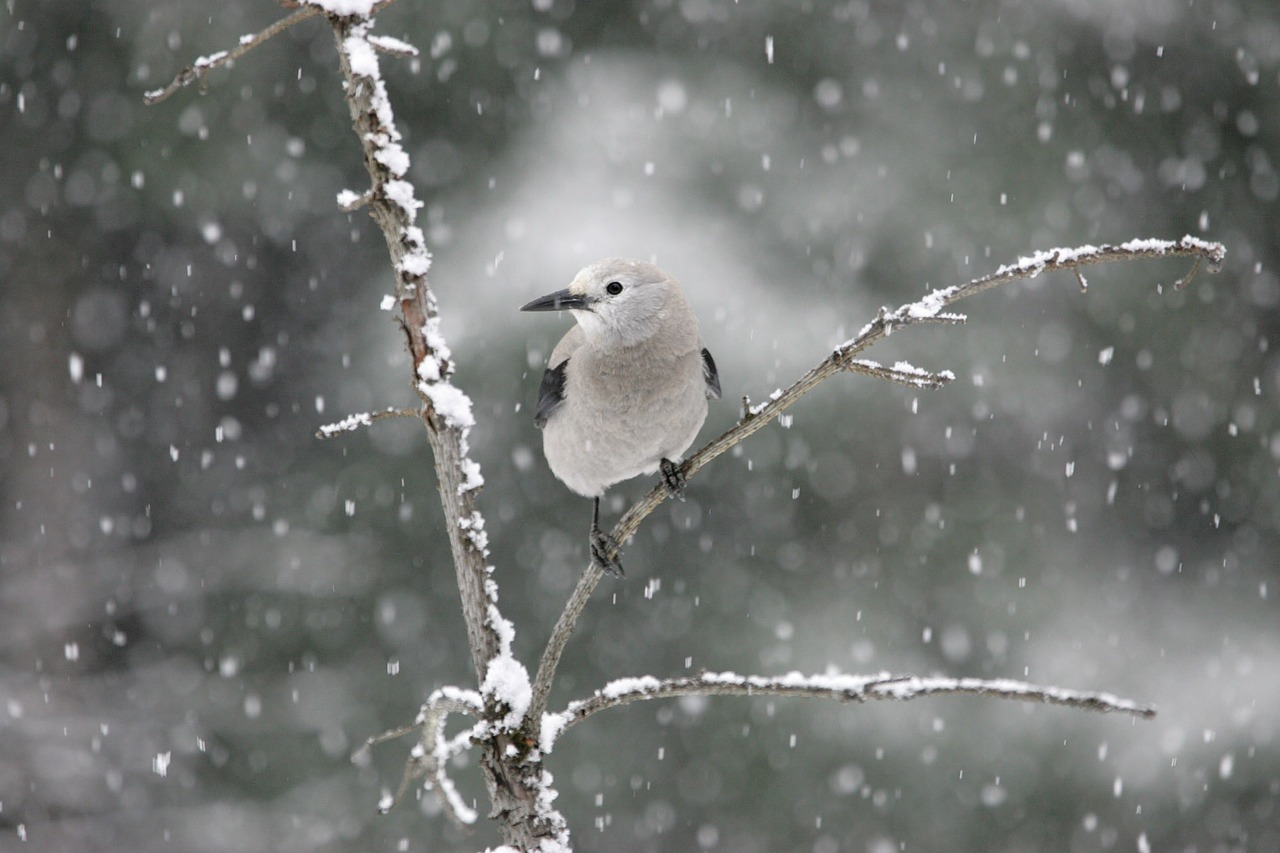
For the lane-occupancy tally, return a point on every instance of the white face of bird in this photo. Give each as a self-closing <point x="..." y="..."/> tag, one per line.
<point x="621" y="300"/>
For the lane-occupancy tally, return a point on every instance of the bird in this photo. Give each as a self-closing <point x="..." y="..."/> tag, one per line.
<point x="625" y="391"/>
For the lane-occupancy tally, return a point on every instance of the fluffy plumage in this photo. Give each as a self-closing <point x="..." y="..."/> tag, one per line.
<point x="625" y="391"/>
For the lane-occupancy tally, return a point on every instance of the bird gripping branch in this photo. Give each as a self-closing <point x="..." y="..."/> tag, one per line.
<point x="625" y="391"/>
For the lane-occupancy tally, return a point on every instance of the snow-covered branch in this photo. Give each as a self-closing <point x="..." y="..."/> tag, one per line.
<point x="430" y="757"/>
<point x="447" y="410"/>
<point x="843" y="688"/>
<point x="843" y="358"/>
<point x="353" y="422"/>
<point x="519" y="789"/>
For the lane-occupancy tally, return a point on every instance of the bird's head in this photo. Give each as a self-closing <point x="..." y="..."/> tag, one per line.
<point x="617" y="301"/>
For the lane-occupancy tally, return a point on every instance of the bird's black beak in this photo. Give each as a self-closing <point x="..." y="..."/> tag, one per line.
<point x="561" y="300"/>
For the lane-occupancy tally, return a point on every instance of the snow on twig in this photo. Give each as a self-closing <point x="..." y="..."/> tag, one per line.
<point x="353" y="422"/>
<point x="430" y="757"/>
<point x="901" y="373"/>
<point x="393" y="46"/>
<point x="843" y="688"/>
<point x="516" y="783"/>
<point x="394" y="207"/>
<point x="197" y="71"/>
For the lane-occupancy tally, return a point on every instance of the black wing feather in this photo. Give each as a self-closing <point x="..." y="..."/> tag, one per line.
<point x="550" y="393"/>
<point x="710" y="374"/>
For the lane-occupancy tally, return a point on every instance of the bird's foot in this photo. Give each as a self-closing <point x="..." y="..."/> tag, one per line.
<point x="673" y="475"/>
<point x="605" y="552"/>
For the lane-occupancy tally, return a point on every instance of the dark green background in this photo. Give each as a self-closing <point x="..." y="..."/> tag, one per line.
<point x="191" y="583"/>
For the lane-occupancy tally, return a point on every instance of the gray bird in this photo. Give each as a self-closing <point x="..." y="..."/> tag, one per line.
<point x="625" y="391"/>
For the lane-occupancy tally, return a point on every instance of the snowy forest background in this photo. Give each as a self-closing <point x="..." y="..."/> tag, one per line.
<point x="204" y="610"/>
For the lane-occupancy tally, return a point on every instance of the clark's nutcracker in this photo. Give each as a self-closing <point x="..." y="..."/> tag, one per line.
<point x="625" y="391"/>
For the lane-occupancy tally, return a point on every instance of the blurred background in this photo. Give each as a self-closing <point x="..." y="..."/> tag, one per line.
<point x="204" y="610"/>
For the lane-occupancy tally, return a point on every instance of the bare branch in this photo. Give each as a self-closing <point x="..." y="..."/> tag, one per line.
<point x="926" y="310"/>
<point x="1191" y="274"/>
<point x="202" y="66"/>
<point x="351" y="423"/>
<point x="197" y="70"/>
<point x="842" y="688"/>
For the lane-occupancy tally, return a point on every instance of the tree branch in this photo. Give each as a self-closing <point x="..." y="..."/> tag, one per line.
<point x="926" y="310"/>
<point x="197" y="71"/>
<point x="351" y="423"/>
<point x="519" y="789"/>
<point x="430" y="757"/>
<point x="446" y="411"/>
<point x="842" y="688"/>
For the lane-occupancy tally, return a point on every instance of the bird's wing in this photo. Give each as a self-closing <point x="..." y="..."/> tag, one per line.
<point x="711" y="375"/>
<point x="550" y="393"/>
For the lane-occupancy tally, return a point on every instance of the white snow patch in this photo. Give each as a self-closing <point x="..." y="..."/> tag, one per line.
<point x="624" y="686"/>
<point x="348" y="424"/>
<point x="393" y="45"/>
<point x="507" y="682"/>
<point x="463" y="812"/>
<point x="930" y="305"/>
<point x="552" y="726"/>
<point x="501" y="626"/>
<point x="363" y="8"/>
<point x="388" y="302"/>
<point x="472" y="478"/>
<point x="361" y="55"/>
<point x="909" y="369"/>
<point x="416" y="262"/>
<point x="429" y="369"/>
<point x="450" y="403"/>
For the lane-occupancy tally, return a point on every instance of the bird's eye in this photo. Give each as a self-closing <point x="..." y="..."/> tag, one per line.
<point x="613" y="288"/>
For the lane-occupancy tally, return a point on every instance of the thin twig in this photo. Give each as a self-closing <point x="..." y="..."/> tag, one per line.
<point x="202" y="66"/>
<point x="843" y="688"/>
<point x="926" y="310"/>
<point x="430" y="757"/>
<point x="351" y="423"/>
<point x="902" y="374"/>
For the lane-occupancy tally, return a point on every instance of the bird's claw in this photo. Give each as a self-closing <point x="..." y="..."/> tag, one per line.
<point x="673" y="475"/>
<point x="604" y="550"/>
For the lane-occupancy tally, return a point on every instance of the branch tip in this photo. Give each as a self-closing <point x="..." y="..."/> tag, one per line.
<point x="351" y="423"/>
<point x="843" y="688"/>
<point x="1191" y="274"/>
<point x="196" y="71"/>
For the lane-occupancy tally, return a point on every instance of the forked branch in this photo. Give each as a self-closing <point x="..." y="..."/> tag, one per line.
<point x="197" y="71"/>
<point x="429" y="758"/>
<point x="844" y="358"/>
